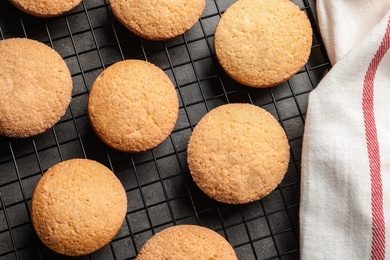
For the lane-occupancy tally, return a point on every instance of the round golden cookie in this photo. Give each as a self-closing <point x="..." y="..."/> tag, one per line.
<point x="158" y="19"/>
<point x="262" y="43"/>
<point x="35" y="87"/>
<point x="133" y="106"/>
<point x="187" y="242"/>
<point x="238" y="153"/>
<point x="45" y="8"/>
<point x="78" y="207"/>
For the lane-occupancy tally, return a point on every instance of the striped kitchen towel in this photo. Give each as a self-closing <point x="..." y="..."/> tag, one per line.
<point x="345" y="184"/>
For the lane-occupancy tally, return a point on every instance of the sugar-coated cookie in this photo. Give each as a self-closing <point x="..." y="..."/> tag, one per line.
<point x="45" y="8"/>
<point x="77" y="207"/>
<point x="188" y="242"/>
<point x="133" y="106"/>
<point x="35" y="87"/>
<point x="158" y="19"/>
<point x="238" y="153"/>
<point x="262" y="43"/>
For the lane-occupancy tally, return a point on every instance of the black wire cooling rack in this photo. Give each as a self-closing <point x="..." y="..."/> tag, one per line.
<point x="158" y="185"/>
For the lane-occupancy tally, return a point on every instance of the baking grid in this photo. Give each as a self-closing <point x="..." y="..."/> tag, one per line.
<point x="158" y="184"/>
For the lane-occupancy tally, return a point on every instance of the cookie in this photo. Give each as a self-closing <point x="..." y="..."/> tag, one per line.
<point x="133" y="106"/>
<point x="238" y="153"/>
<point x="78" y="207"/>
<point x="44" y="8"/>
<point x="158" y="19"/>
<point x="262" y="43"/>
<point x="35" y="87"/>
<point x="187" y="242"/>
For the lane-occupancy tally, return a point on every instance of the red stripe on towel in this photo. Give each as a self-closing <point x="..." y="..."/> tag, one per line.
<point x="378" y="247"/>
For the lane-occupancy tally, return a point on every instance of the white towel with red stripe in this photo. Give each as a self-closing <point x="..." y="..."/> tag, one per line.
<point x="345" y="181"/>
